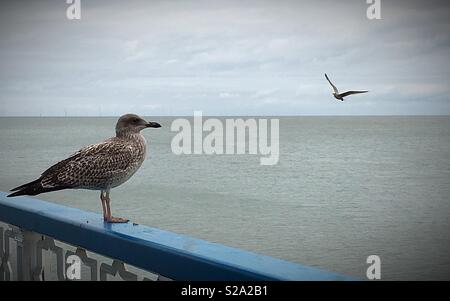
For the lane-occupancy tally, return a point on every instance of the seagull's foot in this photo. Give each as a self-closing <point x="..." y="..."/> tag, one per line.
<point x="116" y="220"/>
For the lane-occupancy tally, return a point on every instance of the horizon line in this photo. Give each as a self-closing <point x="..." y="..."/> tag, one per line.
<point x="234" y="115"/>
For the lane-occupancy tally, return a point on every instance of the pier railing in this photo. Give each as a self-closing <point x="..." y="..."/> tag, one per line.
<point x="33" y="232"/>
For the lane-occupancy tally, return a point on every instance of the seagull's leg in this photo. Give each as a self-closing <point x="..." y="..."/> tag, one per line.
<point x="110" y="218"/>
<point x="108" y="208"/>
<point x="103" y="199"/>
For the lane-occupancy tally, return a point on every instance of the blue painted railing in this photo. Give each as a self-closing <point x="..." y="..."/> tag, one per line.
<point x="175" y="256"/>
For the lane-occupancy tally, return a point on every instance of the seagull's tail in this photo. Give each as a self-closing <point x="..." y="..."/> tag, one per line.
<point x="32" y="188"/>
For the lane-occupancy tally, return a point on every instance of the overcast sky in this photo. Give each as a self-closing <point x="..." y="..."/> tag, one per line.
<point x="223" y="57"/>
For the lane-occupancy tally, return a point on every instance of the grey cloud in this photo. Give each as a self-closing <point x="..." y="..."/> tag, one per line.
<point x="173" y="57"/>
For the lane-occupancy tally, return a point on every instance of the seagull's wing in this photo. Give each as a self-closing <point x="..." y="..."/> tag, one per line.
<point x="351" y="92"/>
<point x="91" y="166"/>
<point x="334" y="87"/>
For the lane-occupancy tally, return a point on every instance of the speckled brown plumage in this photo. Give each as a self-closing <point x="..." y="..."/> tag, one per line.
<point x="99" y="166"/>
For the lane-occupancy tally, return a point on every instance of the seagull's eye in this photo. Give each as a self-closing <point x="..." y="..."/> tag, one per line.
<point x="135" y="120"/>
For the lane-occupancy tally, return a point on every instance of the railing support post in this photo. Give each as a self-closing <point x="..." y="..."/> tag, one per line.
<point x="2" y="253"/>
<point x="28" y="254"/>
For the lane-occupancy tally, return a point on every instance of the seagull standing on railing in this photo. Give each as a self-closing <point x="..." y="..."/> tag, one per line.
<point x="100" y="166"/>
<point x="340" y="96"/>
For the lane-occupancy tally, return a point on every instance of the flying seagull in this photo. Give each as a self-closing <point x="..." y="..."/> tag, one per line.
<point x="340" y="96"/>
<point x="100" y="166"/>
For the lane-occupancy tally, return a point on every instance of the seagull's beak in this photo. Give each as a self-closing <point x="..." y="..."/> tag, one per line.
<point x="153" y="125"/>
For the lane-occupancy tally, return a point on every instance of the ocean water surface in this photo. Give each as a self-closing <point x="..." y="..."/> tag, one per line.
<point x="344" y="188"/>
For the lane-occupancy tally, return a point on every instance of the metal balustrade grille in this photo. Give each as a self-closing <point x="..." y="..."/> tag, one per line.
<point x="45" y="258"/>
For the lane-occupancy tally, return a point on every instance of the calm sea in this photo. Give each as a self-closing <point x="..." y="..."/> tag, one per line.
<point x="344" y="188"/>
